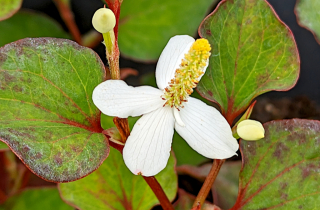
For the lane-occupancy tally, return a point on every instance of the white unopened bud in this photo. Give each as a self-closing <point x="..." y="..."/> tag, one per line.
<point x="250" y="130"/>
<point x="103" y="20"/>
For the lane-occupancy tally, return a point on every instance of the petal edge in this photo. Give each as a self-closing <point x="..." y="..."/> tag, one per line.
<point x="116" y="98"/>
<point x="206" y="130"/>
<point x="148" y="147"/>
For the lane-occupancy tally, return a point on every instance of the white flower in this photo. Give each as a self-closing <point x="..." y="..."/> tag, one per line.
<point x="180" y="66"/>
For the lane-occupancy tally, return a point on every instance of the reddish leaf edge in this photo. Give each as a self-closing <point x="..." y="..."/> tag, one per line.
<point x="10" y="14"/>
<point x="230" y="117"/>
<point x="96" y="123"/>
<point x="304" y="26"/>
<point x="5" y="149"/>
<point x="241" y="191"/>
<point x="106" y="154"/>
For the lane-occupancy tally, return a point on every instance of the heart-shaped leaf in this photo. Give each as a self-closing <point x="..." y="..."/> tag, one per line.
<point x="281" y="171"/>
<point x="8" y="8"/>
<point x="36" y="199"/>
<point x="47" y="116"/>
<point x="146" y="26"/>
<point x="308" y="16"/>
<point x="252" y="52"/>
<point x="113" y="186"/>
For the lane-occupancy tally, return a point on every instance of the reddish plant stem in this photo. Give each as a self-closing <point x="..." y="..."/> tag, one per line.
<point x="122" y="124"/>
<point x="206" y="187"/>
<point x="114" y="5"/>
<point x="151" y="181"/>
<point x="113" y="60"/>
<point x="158" y="191"/>
<point x="67" y="16"/>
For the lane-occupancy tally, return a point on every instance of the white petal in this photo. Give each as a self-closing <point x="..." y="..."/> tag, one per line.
<point x="206" y="130"/>
<point x="171" y="57"/>
<point x="147" y="149"/>
<point x="116" y="98"/>
<point x="176" y="114"/>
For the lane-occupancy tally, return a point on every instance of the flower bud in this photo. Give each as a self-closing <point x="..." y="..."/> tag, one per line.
<point x="250" y="130"/>
<point x="103" y="20"/>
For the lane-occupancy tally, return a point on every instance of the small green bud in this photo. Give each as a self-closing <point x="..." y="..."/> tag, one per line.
<point x="250" y="130"/>
<point x="103" y="20"/>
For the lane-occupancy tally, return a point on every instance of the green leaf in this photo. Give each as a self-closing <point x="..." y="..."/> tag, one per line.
<point x="47" y="115"/>
<point x="184" y="153"/>
<point x="3" y="146"/>
<point x="281" y="171"/>
<point x="8" y="8"/>
<point x="113" y="186"/>
<point x="29" y="24"/>
<point x="253" y="52"/>
<point x="36" y="199"/>
<point x="145" y="26"/>
<point x="225" y="186"/>
<point x="308" y="16"/>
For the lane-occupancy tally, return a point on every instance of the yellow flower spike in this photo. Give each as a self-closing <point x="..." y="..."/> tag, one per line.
<point x="103" y="20"/>
<point x="187" y="75"/>
<point x="250" y="130"/>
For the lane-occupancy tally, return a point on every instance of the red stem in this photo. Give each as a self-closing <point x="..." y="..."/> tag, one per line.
<point x="158" y="191"/>
<point x="206" y="187"/>
<point x="114" y="5"/>
<point x="151" y="181"/>
<point x="67" y="16"/>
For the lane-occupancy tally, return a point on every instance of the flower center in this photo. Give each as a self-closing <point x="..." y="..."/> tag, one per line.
<point x="188" y="74"/>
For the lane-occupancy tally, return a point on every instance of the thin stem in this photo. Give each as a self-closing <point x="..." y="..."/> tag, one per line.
<point x="67" y="16"/>
<point x="206" y="187"/>
<point x="151" y="181"/>
<point x="158" y="191"/>
<point x="153" y="184"/>
<point x="122" y="124"/>
<point x="112" y="52"/>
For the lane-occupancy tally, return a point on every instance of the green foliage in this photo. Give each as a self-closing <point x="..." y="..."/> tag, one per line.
<point x="29" y="24"/>
<point x="146" y="26"/>
<point x="8" y="8"/>
<point x="113" y="186"/>
<point x="36" y="199"/>
<point x="252" y="53"/>
<point x="226" y="184"/>
<point x="47" y="115"/>
<point x="3" y="146"/>
<point x="308" y="16"/>
<point x="281" y="171"/>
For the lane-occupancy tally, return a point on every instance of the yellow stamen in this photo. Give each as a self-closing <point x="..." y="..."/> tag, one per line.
<point x="187" y="75"/>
